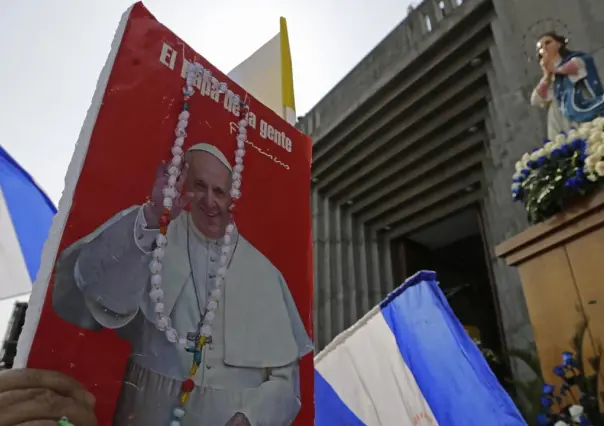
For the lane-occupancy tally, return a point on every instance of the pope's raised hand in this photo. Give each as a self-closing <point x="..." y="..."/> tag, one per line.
<point x="155" y="209"/>
<point x="39" y="397"/>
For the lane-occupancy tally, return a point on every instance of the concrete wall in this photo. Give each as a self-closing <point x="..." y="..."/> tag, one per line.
<point x="352" y="262"/>
<point x="516" y="127"/>
<point x="353" y="268"/>
<point x="396" y="52"/>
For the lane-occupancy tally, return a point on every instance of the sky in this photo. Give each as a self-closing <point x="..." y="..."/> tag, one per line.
<point x="53" y="51"/>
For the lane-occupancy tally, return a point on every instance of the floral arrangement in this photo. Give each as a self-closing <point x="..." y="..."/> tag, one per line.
<point x="583" y="410"/>
<point x="578" y="387"/>
<point x="563" y="170"/>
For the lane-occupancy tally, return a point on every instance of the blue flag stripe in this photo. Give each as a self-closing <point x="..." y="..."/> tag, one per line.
<point x="329" y="408"/>
<point x="31" y="211"/>
<point x="450" y="370"/>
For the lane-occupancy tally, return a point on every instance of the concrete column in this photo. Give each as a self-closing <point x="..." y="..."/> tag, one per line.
<point x="337" y="287"/>
<point x="316" y="235"/>
<point x="324" y="281"/>
<point x="350" y="290"/>
<point x="426" y="12"/>
<point x="443" y="8"/>
<point x="361" y="267"/>
<point x="373" y="267"/>
<point x="386" y="266"/>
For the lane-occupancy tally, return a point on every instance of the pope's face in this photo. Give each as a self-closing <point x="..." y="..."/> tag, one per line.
<point x="210" y="181"/>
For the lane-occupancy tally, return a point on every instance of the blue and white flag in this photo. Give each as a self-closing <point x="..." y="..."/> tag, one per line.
<point x="25" y="217"/>
<point x="409" y="362"/>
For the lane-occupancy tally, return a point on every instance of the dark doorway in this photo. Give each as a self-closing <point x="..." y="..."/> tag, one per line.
<point x="454" y="248"/>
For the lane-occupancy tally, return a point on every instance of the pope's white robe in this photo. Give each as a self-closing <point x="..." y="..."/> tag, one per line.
<point x="251" y="366"/>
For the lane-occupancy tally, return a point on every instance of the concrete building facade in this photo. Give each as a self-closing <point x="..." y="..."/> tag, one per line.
<point x="417" y="144"/>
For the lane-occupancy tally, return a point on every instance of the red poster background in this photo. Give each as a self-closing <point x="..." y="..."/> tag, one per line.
<point x="133" y="132"/>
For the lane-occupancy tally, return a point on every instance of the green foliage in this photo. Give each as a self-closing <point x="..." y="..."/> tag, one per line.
<point x="526" y="394"/>
<point x="554" y="186"/>
<point x="580" y="388"/>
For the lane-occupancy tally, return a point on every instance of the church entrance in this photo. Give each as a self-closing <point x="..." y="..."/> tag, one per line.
<point x="455" y="249"/>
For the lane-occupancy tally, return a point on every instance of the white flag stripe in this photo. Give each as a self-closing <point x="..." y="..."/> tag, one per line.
<point x="14" y="277"/>
<point x="369" y="375"/>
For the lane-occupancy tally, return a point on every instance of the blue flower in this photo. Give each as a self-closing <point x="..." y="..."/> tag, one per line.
<point x="548" y="389"/>
<point x="567" y="150"/>
<point x="559" y="371"/>
<point x="542" y="420"/>
<point x="525" y="172"/>
<point x="578" y="144"/>
<point x="546" y="402"/>
<point x="572" y="182"/>
<point x="567" y="358"/>
<point x="541" y="161"/>
<point x="531" y="164"/>
<point x="563" y="389"/>
<point x="584" y="422"/>
<point x="546" y="141"/>
<point x="556" y="153"/>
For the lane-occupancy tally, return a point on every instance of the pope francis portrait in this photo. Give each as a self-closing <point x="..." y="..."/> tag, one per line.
<point x="249" y="373"/>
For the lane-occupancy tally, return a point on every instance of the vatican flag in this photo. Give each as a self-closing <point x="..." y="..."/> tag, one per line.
<point x="267" y="75"/>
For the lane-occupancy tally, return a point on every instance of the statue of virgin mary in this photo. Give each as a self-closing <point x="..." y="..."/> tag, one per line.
<point x="570" y="88"/>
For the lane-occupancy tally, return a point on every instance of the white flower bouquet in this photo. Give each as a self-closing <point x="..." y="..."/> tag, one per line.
<point x="564" y="169"/>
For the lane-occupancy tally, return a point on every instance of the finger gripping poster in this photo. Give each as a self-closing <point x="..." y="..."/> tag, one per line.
<point x="176" y="285"/>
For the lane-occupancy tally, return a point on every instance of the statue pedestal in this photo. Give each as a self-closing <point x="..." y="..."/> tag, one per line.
<point x="561" y="265"/>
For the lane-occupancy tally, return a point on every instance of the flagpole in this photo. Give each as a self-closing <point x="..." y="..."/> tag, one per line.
<point x="287" y="78"/>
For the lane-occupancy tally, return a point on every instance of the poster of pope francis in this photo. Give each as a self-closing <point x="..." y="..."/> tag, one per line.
<point x="179" y="276"/>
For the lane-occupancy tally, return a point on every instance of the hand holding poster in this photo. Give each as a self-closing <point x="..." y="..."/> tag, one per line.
<point x="167" y="300"/>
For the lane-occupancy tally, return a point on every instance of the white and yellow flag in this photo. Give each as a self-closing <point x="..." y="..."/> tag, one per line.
<point x="267" y="75"/>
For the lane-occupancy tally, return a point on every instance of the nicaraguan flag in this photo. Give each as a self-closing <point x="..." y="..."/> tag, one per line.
<point x="409" y="362"/>
<point x="25" y="217"/>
